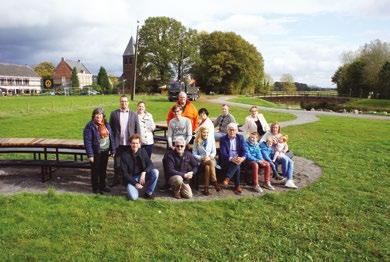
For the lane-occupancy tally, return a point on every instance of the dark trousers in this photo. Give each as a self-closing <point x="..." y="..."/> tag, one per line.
<point x="149" y="149"/>
<point x="98" y="173"/>
<point x="231" y="170"/>
<point x="118" y="177"/>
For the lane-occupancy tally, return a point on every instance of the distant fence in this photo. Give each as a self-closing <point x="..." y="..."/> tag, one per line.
<point x="327" y="93"/>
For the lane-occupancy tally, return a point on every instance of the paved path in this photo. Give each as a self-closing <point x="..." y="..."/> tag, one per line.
<point x="303" y="116"/>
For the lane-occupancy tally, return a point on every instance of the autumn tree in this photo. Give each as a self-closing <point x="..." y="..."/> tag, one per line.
<point x="288" y="84"/>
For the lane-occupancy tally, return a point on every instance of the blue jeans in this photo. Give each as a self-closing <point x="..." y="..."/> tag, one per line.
<point x="231" y="170"/>
<point x="287" y="166"/>
<point x="151" y="179"/>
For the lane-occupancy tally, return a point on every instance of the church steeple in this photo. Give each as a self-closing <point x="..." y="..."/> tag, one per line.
<point x="128" y="65"/>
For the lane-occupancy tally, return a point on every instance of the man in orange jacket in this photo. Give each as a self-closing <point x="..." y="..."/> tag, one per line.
<point x="189" y="110"/>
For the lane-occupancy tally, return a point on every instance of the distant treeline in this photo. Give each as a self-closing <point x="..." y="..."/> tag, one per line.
<point x="278" y="86"/>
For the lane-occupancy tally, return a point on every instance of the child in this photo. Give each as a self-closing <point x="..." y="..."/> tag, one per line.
<point x="267" y="153"/>
<point x="280" y="148"/>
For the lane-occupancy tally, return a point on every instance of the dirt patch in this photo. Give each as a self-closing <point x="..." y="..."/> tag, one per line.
<point x="17" y="179"/>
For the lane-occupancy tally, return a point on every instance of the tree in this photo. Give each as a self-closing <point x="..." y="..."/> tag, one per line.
<point x="44" y="69"/>
<point x="268" y="83"/>
<point x="103" y="80"/>
<point x="228" y="64"/>
<point x="75" y="83"/>
<point x="288" y="84"/>
<point x="165" y="49"/>
<point x="384" y="81"/>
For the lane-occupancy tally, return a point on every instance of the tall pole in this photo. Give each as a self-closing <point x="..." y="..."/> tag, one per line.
<point x="135" y="64"/>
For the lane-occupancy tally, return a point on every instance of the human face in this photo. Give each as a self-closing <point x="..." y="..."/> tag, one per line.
<point x="135" y="145"/>
<point x="98" y="118"/>
<point x="275" y="129"/>
<point x="253" y="112"/>
<point x="225" y="110"/>
<point x="269" y="143"/>
<point x="182" y="99"/>
<point x="232" y="132"/>
<point x="180" y="148"/>
<point x="141" y="108"/>
<point x="204" y="134"/>
<point x="203" y="116"/>
<point x="177" y="112"/>
<point x="252" y="138"/>
<point x="124" y="103"/>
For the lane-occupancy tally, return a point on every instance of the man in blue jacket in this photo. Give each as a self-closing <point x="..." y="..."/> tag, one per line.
<point x="232" y="155"/>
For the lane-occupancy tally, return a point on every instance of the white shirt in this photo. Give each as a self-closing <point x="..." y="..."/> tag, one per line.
<point x="124" y="120"/>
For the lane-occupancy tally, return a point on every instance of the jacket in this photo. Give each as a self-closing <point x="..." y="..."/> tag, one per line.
<point x="129" y="160"/>
<point x="253" y="152"/>
<point x="189" y="111"/>
<point x="91" y="139"/>
<point x="224" y="145"/>
<point x="266" y="151"/>
<point x="132" y="125"/>
<point x="176" y="165"/>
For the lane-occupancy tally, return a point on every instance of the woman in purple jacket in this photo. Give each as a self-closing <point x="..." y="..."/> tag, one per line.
<point x="99" y="144"/>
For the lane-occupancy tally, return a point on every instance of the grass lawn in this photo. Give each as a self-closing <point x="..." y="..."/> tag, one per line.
<point x="29" y="116"/>
<point x="370" y="104"/>
<point x="342" y="216"/>
<point x="255" y="101"/>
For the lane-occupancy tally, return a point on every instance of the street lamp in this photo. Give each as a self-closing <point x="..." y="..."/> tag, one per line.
<point x="135" y="64"/>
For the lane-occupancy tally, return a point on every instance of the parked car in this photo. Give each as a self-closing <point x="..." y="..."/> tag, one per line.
<point x="176" y="87"/>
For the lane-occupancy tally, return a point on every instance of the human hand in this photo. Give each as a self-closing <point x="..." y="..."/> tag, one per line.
<point x="142" y="178"/>
<point x="90" y="159"/>
<point x="188" y="175"/>
<point x="138" y="186"/>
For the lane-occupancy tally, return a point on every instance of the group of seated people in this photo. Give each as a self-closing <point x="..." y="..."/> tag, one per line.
<point x="193" y="140"/>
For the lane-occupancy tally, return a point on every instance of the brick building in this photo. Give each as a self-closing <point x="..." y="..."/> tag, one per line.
<point x="63" y="73"/>
<point x="18" y="79"/>
<point x="128" y="66"/>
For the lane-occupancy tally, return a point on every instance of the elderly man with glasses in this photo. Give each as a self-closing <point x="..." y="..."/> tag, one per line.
<point x="179" y="167"/>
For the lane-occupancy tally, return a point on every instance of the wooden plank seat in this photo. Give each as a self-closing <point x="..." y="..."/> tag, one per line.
<point x="46" y="153"/>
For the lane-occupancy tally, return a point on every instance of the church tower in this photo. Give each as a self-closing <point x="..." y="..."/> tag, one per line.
<point x="128" y="66"/>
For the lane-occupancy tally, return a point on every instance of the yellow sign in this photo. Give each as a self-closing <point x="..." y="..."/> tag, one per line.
<point x="48" y="83"/>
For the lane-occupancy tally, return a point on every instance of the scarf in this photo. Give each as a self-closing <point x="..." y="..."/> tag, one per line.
<point x="103" y="131"/>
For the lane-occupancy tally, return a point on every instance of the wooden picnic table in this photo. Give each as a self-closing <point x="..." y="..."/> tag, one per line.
<point x="43" y="151"/>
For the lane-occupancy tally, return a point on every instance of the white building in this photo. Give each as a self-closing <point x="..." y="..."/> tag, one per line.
<point x="19" y="79"/>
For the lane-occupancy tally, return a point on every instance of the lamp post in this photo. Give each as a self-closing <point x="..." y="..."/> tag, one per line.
<point x="135" y="64"/>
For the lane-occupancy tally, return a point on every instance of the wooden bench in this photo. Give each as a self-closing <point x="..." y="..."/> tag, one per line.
<point x="45" y="153"/>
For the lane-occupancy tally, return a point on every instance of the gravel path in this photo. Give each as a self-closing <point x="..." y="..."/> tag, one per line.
<point x="303" y="116"/>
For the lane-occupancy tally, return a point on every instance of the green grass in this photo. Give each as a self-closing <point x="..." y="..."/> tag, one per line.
<point x="29" y="116"/>
<point x="342" y="216"/>
<point x="255" y="101"/>
<point x="370" y="104"/>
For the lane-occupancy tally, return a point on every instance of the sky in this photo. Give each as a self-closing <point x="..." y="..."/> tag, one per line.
<point x="304" y="38"/>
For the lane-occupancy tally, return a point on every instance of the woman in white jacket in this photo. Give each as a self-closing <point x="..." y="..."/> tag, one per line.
<point x="255" y="122"/>
<point x="147" y="126"/>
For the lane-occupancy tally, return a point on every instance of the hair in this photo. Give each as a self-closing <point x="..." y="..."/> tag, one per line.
<point x="134" y="137"/>
<point x="177" y="107"/>
<point x="275" y="124"/>
<point x="141" y="102"/>
<point x="232" y="125"/>
<point x="198" y="137"/>
<point x="203" y="110"/>
<point x="181" y="92"/>
<point x="99" y="110"/>
<point x="224" y="105"/>
<point x="255" y="133"/>
<point x="250" y="109"/>
<point x="270" y="139"/>
<point x="122" y="96"/>
<point x="285" y="138"/>
<point x="180" y="139"/>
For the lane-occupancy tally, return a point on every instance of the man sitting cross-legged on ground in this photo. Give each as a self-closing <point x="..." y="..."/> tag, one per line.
<point x="232" y="155"/>
<point x="138" y="170"/>
<point x="180" y="165"/>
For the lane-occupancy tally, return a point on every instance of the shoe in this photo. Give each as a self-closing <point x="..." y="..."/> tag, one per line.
<point x="177" y="195"/>
<point x="237" y="190"/>
<point x="216" y="185"/>
<point x="290" y="184"/>
<point x="218" y="167"/>
<point x="269" y="186"/>
<point x="278" y="177"/>
<point x="258" y="189"/>
<point x="106" y="190"/>
<point x="206" y="192"/>
<point x="149" y="197"/>
<point x="226" y="182"/>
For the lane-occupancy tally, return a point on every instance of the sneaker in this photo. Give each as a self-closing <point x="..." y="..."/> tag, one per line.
<point x="218" y="167"/>
<point x="290" y="184"/>
<point x="149" y="197"/>
<point x="278" y="177"/>
<point x="269" y="186"/>
<point x="258" y="189"/>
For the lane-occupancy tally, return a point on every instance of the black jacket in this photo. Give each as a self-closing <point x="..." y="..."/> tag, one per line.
<point x="129" y="162"/>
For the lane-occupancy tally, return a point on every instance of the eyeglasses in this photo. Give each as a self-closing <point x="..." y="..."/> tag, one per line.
<point x="179" y="146"/>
